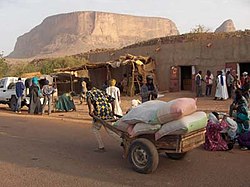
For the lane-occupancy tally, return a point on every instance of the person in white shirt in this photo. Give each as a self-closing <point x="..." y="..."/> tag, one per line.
<point x="221" y="89"/>
<point x="114" y="92"/>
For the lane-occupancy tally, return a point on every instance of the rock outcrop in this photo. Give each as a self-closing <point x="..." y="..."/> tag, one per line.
<point x="226" y="26"/>
<point x="78" y="32"/>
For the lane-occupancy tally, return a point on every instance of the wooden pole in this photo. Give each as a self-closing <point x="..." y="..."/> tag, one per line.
<point x="133" y="80"/>
<point x="108" y="73"/>
<point x="71" y="84"/>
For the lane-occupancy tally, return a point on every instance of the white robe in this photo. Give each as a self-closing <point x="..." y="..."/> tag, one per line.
<point x="221" y="90"/>
<point x="114" y="92"/>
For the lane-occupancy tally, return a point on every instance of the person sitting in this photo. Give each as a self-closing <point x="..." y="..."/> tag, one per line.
<point x="240" y="105"/>
<point x="65" y="102"/>
<point x="213" y="137"/>
<point x="244" y="141"/>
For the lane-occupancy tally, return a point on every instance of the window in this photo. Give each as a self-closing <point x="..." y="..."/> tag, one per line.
<point x="2" y="81"/>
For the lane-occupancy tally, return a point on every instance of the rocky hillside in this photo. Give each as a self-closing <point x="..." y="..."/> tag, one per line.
<point x="226" y="26"/>
<point x="78" y="32"/>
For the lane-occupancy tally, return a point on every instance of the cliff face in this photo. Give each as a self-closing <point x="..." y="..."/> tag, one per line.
<point x="79" y="32"/>
<point x="226" y="26"/>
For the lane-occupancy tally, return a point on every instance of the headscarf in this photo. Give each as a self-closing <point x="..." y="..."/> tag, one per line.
<point x="35" y="82"/>
<point x="112" y="82"/>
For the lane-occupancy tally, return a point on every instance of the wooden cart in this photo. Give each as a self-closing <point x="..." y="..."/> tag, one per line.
<point x="143" y="151"/>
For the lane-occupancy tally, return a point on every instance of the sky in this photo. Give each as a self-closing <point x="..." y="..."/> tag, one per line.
<point x="20" y="16"/>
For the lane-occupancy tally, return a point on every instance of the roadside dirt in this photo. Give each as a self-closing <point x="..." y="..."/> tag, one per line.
<point x="206" y="104"/>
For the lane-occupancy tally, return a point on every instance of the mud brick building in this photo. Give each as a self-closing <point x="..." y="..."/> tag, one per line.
<point x="179" y="58"/>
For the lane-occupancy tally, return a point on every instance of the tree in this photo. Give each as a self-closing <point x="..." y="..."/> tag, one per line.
<point x="200" y="29"/>
<point x="3" y="66"/>
<point x="45" y="66"/>
<point x="48" y="66"/>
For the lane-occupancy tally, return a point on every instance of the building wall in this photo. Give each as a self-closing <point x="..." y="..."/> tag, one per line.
<point x="205" y="52"/>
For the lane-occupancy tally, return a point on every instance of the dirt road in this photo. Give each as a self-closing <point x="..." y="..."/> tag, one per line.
<point x="206" y="104"/>
<point x="35" y="151"/>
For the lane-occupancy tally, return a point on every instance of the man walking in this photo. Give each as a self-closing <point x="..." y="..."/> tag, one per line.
<point x="19" y="93"/>
<point x="101" y="108"/>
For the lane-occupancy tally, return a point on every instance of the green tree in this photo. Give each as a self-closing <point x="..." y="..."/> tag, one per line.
<point x="27" y="68"/>
<point x="3" y="66"/>
<point x="45" y="66"/>
<point x="48" y="66"/>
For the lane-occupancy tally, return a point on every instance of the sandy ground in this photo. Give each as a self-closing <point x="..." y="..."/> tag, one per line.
<point x="206" y="104"/>
<point x="57" y="150"/>
<point x="36" y="151"/>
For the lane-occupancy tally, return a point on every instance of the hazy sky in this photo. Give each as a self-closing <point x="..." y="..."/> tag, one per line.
<point x="20" y="16"/>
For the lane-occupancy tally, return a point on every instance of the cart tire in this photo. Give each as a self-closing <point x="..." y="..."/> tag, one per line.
<point x="143" y="156"/>
<point x="176" y="156"/>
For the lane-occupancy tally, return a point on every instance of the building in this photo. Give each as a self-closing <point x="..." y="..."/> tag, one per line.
<point x="179" y="58"/>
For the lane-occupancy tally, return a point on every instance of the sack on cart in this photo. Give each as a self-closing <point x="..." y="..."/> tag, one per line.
<point x="159" y="112"/>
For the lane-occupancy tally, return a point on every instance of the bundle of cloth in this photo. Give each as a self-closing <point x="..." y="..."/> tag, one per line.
<point x="161" y="118"/>
<point x="220" y="133"/>
<point x="65" y="103"/>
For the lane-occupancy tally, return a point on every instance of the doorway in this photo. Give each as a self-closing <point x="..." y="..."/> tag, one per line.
<point x="244" y="67"/>
<point x="186" y="78"/>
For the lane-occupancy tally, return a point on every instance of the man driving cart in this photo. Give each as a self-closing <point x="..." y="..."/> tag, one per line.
<point x="102" y="106"/>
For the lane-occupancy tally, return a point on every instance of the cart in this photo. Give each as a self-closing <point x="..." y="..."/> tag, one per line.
<point x="143" y="151"/>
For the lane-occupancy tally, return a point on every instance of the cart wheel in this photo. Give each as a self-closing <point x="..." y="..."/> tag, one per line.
<point x="143" y="156"/>
<point x="176" y="156"/>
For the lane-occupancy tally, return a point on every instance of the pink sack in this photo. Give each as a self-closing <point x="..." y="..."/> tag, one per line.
<point x="176" y="109"/>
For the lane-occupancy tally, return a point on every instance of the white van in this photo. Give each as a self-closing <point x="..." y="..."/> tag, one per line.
<point x="8" y="92"/>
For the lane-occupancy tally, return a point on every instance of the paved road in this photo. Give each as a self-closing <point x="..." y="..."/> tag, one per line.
<point x="36" y="151"/>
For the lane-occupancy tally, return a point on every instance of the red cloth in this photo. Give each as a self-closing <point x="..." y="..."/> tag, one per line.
<point x="213" y="138"/>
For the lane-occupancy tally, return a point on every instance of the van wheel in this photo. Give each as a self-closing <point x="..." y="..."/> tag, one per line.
<point x="12" y="103"/>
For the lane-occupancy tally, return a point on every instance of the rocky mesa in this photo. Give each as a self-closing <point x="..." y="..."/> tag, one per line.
<point x="78" y="32"/>
<point x="226" y="26"/>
